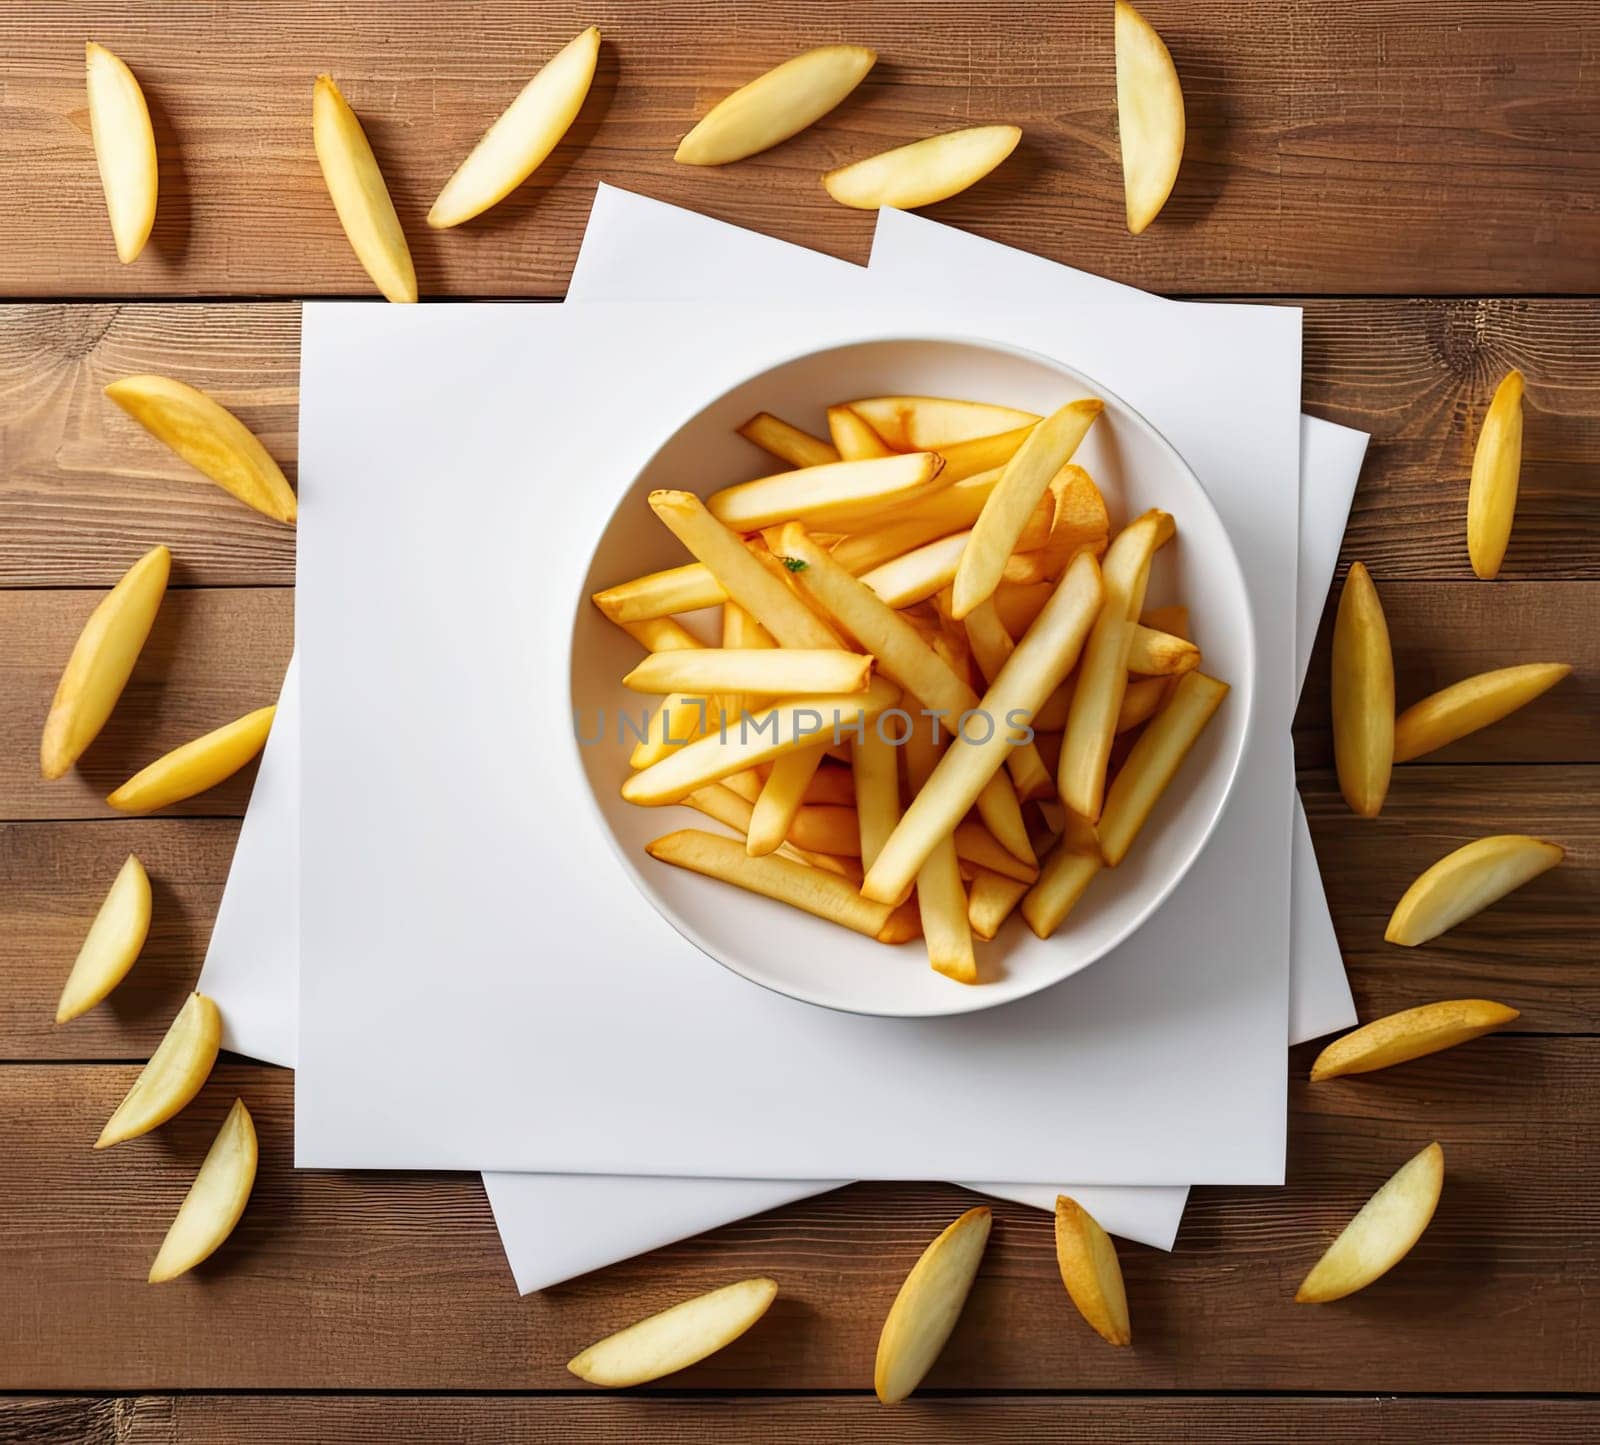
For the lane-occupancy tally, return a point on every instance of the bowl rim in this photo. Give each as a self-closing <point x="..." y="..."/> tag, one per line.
<point x="964" y="999"/>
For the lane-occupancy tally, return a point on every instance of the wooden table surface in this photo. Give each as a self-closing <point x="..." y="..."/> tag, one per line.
<point x="1424" y="179"/>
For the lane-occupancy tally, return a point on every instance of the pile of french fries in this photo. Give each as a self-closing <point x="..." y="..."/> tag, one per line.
<point x="936" y="695"/>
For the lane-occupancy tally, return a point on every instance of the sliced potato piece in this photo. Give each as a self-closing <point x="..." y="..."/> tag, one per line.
<point x="1411" y="1034"/>
<point x="940" y="514"/>
<point x="1141" y="701"/>
<point x="112" y="944"/>
<point x="834" y="496"/>
<point x="676" y="1338"/>
<point x="904" y="924"/>
<point x="1382" y="1234"/>
<point x="982" y="454"/>
<point x="1160" y="654"/>
<point x="1149" y="117"/>
<point x="854" y="440"/>
<point x="991" y="897"/>
<point x="925" y="1311"/>
<point x="1065" y="876"/>
<point x="1091" y="1272"/>
<point x="923" y="172"/>
<point x="918" y="574"/>
<point x="814" y="890"/>
<point x="773" y="671"/>
<point x="1363" y="696"/>
<point x="359" y="193"/>
<point x="661" y="634"/>
<point x="717" y="800"/>
<point x="522" y="137"/>
<point x="658" y="594"/>
<point x="1466" y="882"/>
<point x="1496" y="469"/>
<point x="937" y="423"/>
<point x="775" y="106"/>
<point x="780" y="799"/>
<point x="941" y="898"/>
<point x="196" y="766"/>
<point x="210" y="438"/>
<point x="1470" y="704"/>
<point x="1019" y="603"/>
<point x="176" y="1071"/>
<point x="787" y="443"/>
<point x="124" y="149"/>
<point x="215" y="1201"/>
<point x="679" y="720"/>
<point x="1078" y="519"/>
<point x="991" y="646"/>
<point x="102" y="661"/>
<point x="874" y="763"/>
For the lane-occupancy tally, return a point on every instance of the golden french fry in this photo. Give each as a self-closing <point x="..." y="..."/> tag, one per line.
<point x="786" y="442"/>
<point x="210" y="438"/>
<point x="1172" y="618"/>
<point x="940" y="514"/>
<point x="833" y="496"/>
<point x="918" y="574"/>
<point x="360" y="197"/>
<point x="1103" y="675"/>
<point x="112" y="943"/>
<point x="676" y="1338"/>
<point x="990" y="900"/>
<point x="196" y="766"/>
<point x="923" y="172"/>
<point x="772" y="671"/>
<point x="717" y="800"/>
<point x="813" y="890"/>
<point x="875" y="767"/>
<point x="1025" y="479"/>
<point x="781" y="799"/>
<point x="215" y="1200"/>
<point x="1078" y="520"/>
<point x="941" y="900"/>
<point x="661" y="634"/>
<point x="776" y="105"/>
<point x="1411" y="1034"/>
<point x="1019" y="603"/>
<point x="740" y="630"/>
<point x="1091" y="1272"/>
<point x="678" y="589"/>
<point x="1363" y="696"/>
<point x="102" y="661"/>
<point x="1154" y="762"/>
<point x="679" y="720"/>
<point x="829" y="828"/>
<point x="1160" y="654"/>
<point x="1496" y="469"/>
<point x="928" y="1305"/>
<point x="523" y="136"/>
<point x="1149" y="117"/>
<point x="1382" y="1234"/>
<point x="1141" y="701"/>
<point x="937" y="423"/>
<point x="854" y="440"/>
<point x="833" y="785"/>
<point x="1065" y="875"/>
<point x="975" y="844"/>
<point x="991" y="646"/>
<point x="1470" y="704"/>
<point x="1053" y="713"/>
<point x="904" y="924"/>
<point x="1466" y="882"/>
<point x="1044" y="656"/>
<point x="982" y="454"/>
<point x="124" y="149"/>
<point x="180" y="1065"/>
<point x="742" y="576"/>
<point x="786" y="726"/>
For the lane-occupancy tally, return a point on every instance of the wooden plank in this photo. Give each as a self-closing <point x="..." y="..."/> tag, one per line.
<point x="1379" y="148"/>
<point x="396" y="1282"/>
<point x="1109" y="1420"/>
<point x="1532" y="951"/>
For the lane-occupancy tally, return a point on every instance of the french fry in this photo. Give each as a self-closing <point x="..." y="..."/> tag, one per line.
<point x="661" y="634"/>
<point x="1363" y="696"/>
<point x="1149" y="117"/>
<point x="923" y="172"/>
<point x="874" y="765"/>
<point x="124" y="149"/>
<point x="787" y="442"/>
<point x="747" y="785"/>
<point x="1472" y="703"/>
<point x="991" y="897"/>
<point x="659" y="594"/>
<point x="1141" y="701"/>
<point x="679" y="720"/>
<point x="1173" y="619"/>
<point x="1411" y="1034"/>
<point x="1042" y="658"/>
<point x="1496" y="468"/>
<point x="1063" y="878"/>
<point x="741" y="575"/>
<point x="774" y="672"/>
<point x="833" y="786"/>
<point x="918" y="574"/>
<point x="1160" y="654"/>
<point x="813" y="890"/>
<point x="936" y="423"/>
<point x="982" y="454"/>
<point x="1466" y="882"/>
<point x="951" y="509"/>
<point x="1155" y="760"/>
<point x="975" y="844"/>
<point x="1025" y="479"/>
<point x="718" y="801"/>
<point x="1078" y="520"/>
<point x="1103" y="674"/>
<point x="781" y="798"/>
<point x="740" y="629"/>
<point x="941" y="900"/>
<point x="991" y="646"/>
<point x="829" y="828"/>
<point x="1018" y="603"/>
<point x="792" y="724"/>
<point x="834" y="496"/>
<point x="904" y="924"/>
<point x="854" y="440"/>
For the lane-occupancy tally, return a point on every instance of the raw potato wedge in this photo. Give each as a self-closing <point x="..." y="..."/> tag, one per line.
<point x="196" y="765"/>
<point x="936" y="423"/>
<point x="1466" y="882"/>
<point x="659" y="594"/>
<point x="113" y="942"/>
<point x="834" y="496"/>
<point x="1411" y="1034"/>
<point x="929" y="1303"/>
<point x="215" y="1200"/>
<point x="854" y="440"/>
<point x="180" y="1065"/>
<point x="813" y="890"/>
<point x="516" y="145"/>
<point x="1470" y="704"/>
<point x="1496" y="469"/>
<point x="361" y="198"/>
<point x="923" y="172"/>
<point x="102" y="660"/>
<point x="676" y="1338"/>
<point x="771" y="671"/>
<point x="1149" y="117"/>
<point x="1382" y="1234"/>
<point x="1363" y="696"/>
<point x="775" y="106"/>
<point x="788" y="443"/>
<point x="124" y="148"/>
<point x="210" y="438"/>
<point x="1091" y="1273"/>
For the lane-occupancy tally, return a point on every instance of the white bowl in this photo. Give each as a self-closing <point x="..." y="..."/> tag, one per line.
<point x="820" y="962"/>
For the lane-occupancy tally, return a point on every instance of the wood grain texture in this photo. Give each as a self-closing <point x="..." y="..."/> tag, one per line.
<point x="389" y="1281"/>
<point x="1378" y="148"/>
<point x="948" y="1420"/>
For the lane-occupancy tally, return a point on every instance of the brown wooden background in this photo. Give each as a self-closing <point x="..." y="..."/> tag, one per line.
<point x="1425" y="180"/>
